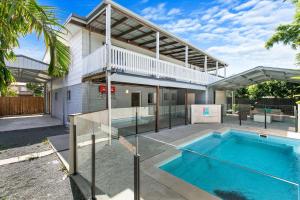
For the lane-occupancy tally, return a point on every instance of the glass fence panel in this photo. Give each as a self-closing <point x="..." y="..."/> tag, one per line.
<point x="218" y="176"/>
<point x="84" y="130"/>
<point x="146" y="119"/>
<point x="124" y="120"/>
<point x="178" y="115"/>
<point x="114" y="167"/>
<point x="164" y="116"/>
<point x="280" y="117"/>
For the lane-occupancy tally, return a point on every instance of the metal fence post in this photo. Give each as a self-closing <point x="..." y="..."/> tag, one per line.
<point x="74" y="150"/>
<point x="93" y="186"/>
<point x="136" y="177"/>
<point x="222" y="110"/>
<point x="265" y="117"/>
<point x="296" y="117"/>
<point x="136" y="121"/>
<point x="240" y="117"/>
<point x="186" y="107"/>
<point x="170" y="116"/>
<point x="73" y="144"/>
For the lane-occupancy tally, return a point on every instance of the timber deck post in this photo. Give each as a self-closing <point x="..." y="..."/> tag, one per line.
<point x="157" y="111"/>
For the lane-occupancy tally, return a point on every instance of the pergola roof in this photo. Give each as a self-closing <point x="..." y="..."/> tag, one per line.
<point x="27" y="69"/>
<point x="256" y="75"/>
<point x="129" y="27"/>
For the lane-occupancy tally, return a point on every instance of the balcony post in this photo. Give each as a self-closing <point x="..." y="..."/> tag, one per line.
<point x="205" y="64"/>
<point x="217" y="68"/>
<point x="108" y="65"/>
<point x="157" y="111"/>
<point x="186" y="56"/>
<point x="157" y="45"/>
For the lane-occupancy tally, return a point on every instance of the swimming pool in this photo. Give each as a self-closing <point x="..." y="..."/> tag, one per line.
<point x="240" y="165"/>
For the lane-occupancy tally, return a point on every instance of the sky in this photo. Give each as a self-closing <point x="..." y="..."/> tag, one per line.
<point x="234" y="31"/>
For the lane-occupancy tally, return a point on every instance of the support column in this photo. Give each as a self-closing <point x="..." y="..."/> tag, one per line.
<point x="51" y="97"/>
<point x="206" y="96"/>
<point x="157" y="109"/>
<point x="186" y="56"/>
<point x="45" y="98"/>
<point x="157" y="45"/>
<point x="205" y="64"/>
<point x="232" y="100"/>
<point x="225" y="71"/>
<point x="217" y="68"/>
<point x="186" y="107"/>
<point x="90" y="43"/>
<point x="108" y="65"/>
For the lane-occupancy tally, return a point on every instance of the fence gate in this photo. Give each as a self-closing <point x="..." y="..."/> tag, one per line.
<point x="21" y="105"/>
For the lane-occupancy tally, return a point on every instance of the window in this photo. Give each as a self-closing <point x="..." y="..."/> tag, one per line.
<point x="55" y="96"/>
<point x="150" y="98"/>
<point x="69" y="94"/>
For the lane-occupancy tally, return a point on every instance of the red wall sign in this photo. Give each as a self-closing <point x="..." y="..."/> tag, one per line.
<point x="102" y="89"/>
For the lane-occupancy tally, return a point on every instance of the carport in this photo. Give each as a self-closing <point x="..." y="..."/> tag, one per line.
<point x="250" y="77"/>
<point x="26" y="69"/>
<point x="276" y="115"/>
<point x="254" y="76"/>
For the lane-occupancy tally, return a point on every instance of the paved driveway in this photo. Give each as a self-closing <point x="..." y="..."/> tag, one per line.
<point x="27" y="122"/>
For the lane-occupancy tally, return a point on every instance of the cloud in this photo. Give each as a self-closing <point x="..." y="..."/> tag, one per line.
<point x="246" y="5"/>
<point x="183" y="25"/>
<point x="174" y="11"/>
<point x="160" y="12"/>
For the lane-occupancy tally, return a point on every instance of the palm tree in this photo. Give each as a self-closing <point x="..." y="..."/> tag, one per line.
<point x="19" y="18"/>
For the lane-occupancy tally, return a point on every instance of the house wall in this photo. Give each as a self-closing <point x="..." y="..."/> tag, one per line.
<point x="85" y="97"/>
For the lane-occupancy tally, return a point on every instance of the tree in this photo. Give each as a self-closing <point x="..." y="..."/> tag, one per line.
<point x="288" y="34"/>
<point x="8" y="92"/>
<point x="241" y="93"/>
<point x="21" y="17"/>
<point x="276" y="89"/>
<point x="36" y="88"/>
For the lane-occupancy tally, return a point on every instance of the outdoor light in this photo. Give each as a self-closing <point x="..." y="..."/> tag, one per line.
<point x="126" y="91"/>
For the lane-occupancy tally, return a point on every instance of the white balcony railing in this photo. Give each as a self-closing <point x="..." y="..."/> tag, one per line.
<point x="126" y="61"/>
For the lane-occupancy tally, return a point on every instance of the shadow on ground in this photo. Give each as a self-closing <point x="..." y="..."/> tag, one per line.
<point x="19" y="138"/>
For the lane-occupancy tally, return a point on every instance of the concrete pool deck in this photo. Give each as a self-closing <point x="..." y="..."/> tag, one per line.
<point x="114" y="164"/>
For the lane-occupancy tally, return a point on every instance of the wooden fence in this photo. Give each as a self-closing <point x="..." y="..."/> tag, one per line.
<point x="21" y="105"/>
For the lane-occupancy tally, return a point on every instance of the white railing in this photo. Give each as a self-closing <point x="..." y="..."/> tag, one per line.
<point x="126" y="61"/>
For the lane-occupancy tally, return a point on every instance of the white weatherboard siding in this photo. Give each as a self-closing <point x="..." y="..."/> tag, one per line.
<point x="75" y="71"/>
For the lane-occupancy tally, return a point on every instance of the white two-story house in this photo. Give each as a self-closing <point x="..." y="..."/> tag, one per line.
<point x="119" y="59"/>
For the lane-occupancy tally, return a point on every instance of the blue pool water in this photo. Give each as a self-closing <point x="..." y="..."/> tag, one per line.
<point x="240" y="165"/>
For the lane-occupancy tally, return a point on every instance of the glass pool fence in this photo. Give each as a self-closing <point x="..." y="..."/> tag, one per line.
<point x="282" y="117"/>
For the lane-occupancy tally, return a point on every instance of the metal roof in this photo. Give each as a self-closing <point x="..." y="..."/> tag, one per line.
<point x="256" y="75"/>
<point x="27" y="69"/>
<point x="129" y="27"/>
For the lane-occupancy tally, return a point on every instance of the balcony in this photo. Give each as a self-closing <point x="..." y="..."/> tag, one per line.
<point x="125" y="61"/>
